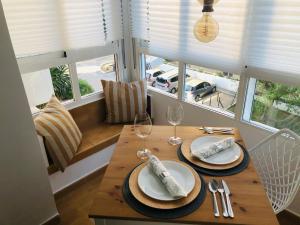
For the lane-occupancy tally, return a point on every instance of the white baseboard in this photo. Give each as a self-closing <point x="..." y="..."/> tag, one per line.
<point x="77" y="171"/>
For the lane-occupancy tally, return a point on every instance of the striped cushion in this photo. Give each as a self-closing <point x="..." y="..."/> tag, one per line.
<point x="124" y="100"/>
<point x="61" y="134"/>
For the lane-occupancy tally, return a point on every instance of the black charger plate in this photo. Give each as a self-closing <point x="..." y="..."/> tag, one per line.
<point x="226" y="172"/>
<point x="163" y="213"/>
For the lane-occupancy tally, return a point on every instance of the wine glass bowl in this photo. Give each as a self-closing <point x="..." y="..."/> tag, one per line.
<point x="142" y="129"/>
<point x="175" y="115"/>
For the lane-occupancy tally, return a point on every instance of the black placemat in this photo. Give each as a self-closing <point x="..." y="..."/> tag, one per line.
<point x="226" y="172"/>
<point x="163" y="213"/>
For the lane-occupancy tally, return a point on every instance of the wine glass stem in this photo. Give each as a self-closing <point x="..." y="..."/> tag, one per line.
<point x="144" y="139"/>
<point x="175" y="131"/>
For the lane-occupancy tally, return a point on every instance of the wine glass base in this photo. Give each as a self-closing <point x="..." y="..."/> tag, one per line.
<point x="143" y="154"/>
<point x="175" y="140"/>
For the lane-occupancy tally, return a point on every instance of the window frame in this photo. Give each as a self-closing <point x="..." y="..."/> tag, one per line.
<point x="245" y="93"/>
<point x="142" y="51"/>
<point x="70" y="58"/>
<point x="248" y="104"/>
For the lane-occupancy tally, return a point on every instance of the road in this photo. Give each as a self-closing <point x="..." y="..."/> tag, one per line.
<point x="90" y="71"/>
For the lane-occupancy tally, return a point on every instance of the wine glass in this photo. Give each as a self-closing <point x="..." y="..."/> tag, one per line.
<point x="142" y="129"/>
<point x="174" y="116"/>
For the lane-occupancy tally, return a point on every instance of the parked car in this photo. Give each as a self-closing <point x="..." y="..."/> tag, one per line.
<point x="152" y="74"/>
<point x="196" y="89"/>
<point x="168" y="81"/>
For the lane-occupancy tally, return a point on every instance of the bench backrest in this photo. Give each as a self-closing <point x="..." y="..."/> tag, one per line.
<point x="89" y="115"/>
<point x="94" y="113"/>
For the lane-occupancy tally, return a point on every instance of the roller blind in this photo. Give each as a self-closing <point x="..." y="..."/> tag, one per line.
<point x="43" y="26"/>
<point x="274" y="40"/>
<point x="139" y="14"/>
<point x="171" y="24"/>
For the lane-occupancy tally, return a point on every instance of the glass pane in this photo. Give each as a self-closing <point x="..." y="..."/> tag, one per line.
<point x="61" y="81"/>
<point x="276" y="105"/>
<point x="91" y="72"/>
<point x="40" y="85"/>
<point x="212" y="88"/>
<point x="162" y="74"/>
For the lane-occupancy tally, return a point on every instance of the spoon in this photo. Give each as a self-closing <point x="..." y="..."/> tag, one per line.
<point x="213" y="189"/>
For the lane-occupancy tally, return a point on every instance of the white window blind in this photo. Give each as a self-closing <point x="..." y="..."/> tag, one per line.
<point x="274" y="40"/>
<point x="82" y="23"/>
<point x="171" y="24"/>
<point x="33" y="26"/>
<point x="113" y="19"/>
<point x="43" y="26"/>
<point x="139" y="13"/>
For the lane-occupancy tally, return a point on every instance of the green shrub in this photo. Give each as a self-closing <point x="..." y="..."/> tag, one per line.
<point x="62" y="83"/>
<point x="85" y="87"/>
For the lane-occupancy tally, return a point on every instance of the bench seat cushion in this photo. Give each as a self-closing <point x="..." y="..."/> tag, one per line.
<point x="97" y="138"/>
<point x="94" y="140"/>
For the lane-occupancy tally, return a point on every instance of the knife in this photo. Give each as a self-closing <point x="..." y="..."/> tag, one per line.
<point x="227" y="193"/>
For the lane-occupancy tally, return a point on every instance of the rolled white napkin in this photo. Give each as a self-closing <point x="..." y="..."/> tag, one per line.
<point x="207" y="151"/>
<point x="172" y="186"/>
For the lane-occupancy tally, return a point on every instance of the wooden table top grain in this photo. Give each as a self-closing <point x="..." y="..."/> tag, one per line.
<point x="249" y="200"/>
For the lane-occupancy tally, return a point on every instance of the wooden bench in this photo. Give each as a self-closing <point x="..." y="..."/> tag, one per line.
<point x="97" y="134"/>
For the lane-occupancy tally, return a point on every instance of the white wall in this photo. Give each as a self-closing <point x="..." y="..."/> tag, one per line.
<point x="81" y="169"/>
<point x="196" y="116"/>
<point x="25" y="193"/>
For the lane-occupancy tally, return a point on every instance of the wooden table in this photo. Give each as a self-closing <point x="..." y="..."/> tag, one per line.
<point x="250" y="203"/>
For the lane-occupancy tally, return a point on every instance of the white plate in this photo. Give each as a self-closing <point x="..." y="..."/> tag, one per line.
<point x="150" y="184"/>
<point x="224" y="157"/>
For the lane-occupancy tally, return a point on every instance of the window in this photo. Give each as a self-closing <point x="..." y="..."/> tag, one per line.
<point x="212" y="88"/>
<point x="91" y="72"/>
<point x="274" y="104"/>
<point x="40" y="85"/>
<point x="162" y="74"/>
<point x="61" y="34"/>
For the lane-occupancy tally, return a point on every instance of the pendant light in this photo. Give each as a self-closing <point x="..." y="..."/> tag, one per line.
<point x="207" y="28"/>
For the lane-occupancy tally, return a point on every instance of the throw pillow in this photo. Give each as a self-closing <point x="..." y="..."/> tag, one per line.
<point x="61" y="134"/>
<point x="124" y="100"/>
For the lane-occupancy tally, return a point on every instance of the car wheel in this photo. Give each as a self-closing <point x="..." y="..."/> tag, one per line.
<point x="173" y="90"/>
<point x="153" y="84"/>
<point x="197" y="98"/>
<point x="214" y="90"/>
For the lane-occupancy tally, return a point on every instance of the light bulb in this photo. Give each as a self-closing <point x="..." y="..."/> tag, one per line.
<point x="206" y="29"/>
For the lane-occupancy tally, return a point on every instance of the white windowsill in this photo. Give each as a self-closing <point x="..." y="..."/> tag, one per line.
<point x="71" y="104"/>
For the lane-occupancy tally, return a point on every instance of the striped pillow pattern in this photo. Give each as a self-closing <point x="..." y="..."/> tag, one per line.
<point x="124" y="100"/>
<point x="61" y="134"/>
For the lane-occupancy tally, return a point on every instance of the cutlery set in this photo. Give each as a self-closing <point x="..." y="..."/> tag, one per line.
<point x="221" y="187"/>
<point x="211" y="130"/>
